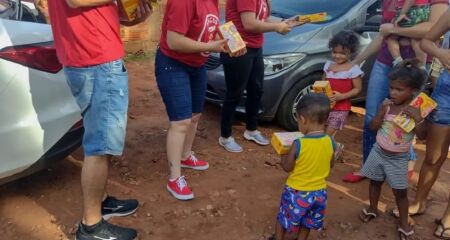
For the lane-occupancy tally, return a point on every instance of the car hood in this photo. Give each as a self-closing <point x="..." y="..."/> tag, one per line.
<point x="275" y="43"/>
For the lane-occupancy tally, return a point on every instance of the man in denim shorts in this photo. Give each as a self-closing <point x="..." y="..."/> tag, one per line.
<point x="88" y="44"/>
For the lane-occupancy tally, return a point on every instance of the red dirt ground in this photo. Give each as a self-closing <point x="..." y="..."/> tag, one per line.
<point x="236" y="199"/>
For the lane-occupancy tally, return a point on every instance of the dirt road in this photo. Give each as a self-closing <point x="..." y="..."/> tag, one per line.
<point x="236" y="199"/>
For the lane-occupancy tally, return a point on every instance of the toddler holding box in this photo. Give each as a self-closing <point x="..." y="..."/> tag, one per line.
<point x="345" y="79"/>
<point x="304" y="197"/>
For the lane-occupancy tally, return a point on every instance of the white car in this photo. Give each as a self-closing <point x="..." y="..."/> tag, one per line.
<point x="40" y="121"/>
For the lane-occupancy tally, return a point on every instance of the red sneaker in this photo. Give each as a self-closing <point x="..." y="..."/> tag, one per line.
<point x="194" y="163"/>
<point x="352" y="178"/>
<point x="179" y="189"/>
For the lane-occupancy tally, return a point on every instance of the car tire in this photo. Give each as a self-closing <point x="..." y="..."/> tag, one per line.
<point x="286" y="116"/>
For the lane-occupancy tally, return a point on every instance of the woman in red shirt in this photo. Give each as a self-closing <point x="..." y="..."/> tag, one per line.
<point x="189" y="31"/>
<point x="247" y="72"/>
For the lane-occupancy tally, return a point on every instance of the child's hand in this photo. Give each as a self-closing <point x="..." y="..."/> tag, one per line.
<point x="337" y="96"/>
<point x="400" y="18"/>
<point x="413" y="113"/>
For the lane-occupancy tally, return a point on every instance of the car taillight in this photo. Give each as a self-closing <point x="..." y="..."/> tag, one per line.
<point x="38" y="56"/>
<point x="78" y="125"/>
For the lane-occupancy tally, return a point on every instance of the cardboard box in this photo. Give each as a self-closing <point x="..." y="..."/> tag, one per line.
<point x="282" y="141"/>
<point x="130" y="7"/>
<point x="313" y="18"/>
<point x="235" y="42"/>
<point x="426" y="105"/>
<point x="325" y="88"/>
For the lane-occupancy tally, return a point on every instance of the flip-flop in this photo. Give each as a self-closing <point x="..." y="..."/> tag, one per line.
<point x="396" y="214"/>
<point x="352" y="178"/>
<point x="444" y="230"/>
<point x="404" y="234"/>
<point x="366" y="216"/>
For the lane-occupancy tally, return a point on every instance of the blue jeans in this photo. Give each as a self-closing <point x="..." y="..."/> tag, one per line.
<point x="441" y="94"/>
<point x="378" y="90"/>
<point x="182" y="87"/>
<point x="101" y="92"/>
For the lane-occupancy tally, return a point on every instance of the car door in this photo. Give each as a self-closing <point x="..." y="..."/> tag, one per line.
<point x="36" y="106"/>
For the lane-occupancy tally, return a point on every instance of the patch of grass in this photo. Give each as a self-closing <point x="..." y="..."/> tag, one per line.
<point x="139" y="56"/>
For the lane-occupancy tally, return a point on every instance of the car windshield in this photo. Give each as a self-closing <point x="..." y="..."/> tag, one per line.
<point x="290" y="8"/>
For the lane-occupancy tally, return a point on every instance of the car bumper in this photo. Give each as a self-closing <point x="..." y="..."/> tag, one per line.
<point x="66" y="145"/>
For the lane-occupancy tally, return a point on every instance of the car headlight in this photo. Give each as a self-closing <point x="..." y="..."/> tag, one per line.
<point x="276" y="63"/>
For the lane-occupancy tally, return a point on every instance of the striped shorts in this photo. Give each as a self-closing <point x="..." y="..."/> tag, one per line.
<point x="392" y="167"/>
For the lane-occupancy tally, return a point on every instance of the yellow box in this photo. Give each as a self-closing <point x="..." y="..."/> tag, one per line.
<point x="130" y="7"/>
<point x="282" y="141"/>
<point x="325" y="88"/>
<point x="229" y="31"/>
<point x="313" y="18"/>
<point x="426" y="105"/>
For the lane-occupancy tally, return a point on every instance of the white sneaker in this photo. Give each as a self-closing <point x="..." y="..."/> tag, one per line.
<point x="230" y="145"/>
<point x="257" y="137"/>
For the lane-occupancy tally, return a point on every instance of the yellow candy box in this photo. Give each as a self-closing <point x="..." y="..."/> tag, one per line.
<point x="426" y="105"/>
<point x="229" y="31"/>
<point x="313" y="18"/>
<point x="325" y="88"/>
<point x="282" y="141"/>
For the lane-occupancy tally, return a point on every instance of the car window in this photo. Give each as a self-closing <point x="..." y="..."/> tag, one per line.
<point x="4" y="5"/>
<point x="333" y="8"/>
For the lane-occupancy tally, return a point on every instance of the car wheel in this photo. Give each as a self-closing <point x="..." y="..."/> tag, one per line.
<point x="286" y="115"/>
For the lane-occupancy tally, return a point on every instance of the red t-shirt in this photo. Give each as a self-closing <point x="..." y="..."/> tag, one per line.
<point x="195" y="19"/>
<point x="234" y="8"/>
<point x="85" y="36"/>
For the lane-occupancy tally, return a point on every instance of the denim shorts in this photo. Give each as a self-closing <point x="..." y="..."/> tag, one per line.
<point x="182" y="87"/>
<point x="101" y="92"/>
<point x="441" y="94"/>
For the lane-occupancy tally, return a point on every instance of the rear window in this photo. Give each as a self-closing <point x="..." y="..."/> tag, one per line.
<point x="4" y="5"/>
<point x="333" y="8"/>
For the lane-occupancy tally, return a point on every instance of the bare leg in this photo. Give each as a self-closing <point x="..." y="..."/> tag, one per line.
<point x="303" y="233"/>
<point x="411" y="165"/>
<point x="420" y="54"/>
<point x="401" y="197"/>
<point x="438" y="140"/>
<point x="374" y="195"/>
<point x="93" y="182"/>
<point x="393" y="46"/>
<point x="175" y="141"/>
<point x="279" y="231"/>
<point x="190" y="135"/>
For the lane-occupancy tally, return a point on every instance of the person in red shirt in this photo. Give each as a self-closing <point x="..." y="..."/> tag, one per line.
<point x="189" y="32"/>
<point x="247" y="72"/>
<point x="87" y="40"/>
